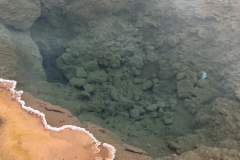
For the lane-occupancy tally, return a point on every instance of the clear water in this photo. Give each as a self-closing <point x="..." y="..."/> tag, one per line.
<point x="162" y="75"/>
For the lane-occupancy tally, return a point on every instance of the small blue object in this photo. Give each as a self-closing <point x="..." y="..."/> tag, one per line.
<point x="204" y="75"/>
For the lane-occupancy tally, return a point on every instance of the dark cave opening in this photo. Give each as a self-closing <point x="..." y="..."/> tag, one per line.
<point x="54" y="74"/>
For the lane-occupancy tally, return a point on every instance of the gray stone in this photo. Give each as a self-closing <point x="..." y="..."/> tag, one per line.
<point x="113" y="49"/>
<point x="160" y="43"/>
<point x="124" y="102"/>
<point x="97" y="77"/>
<point x="136" y="98"/>
<point x="136" y="71"/>
<point x="152" y="107"/>
<point x="131" y="49"/>
<point x="88" y="87"/>
<point x="20" y="14"/>
<point x="144" y="103"/>
<point x="181" y="75"/>
<point x="155" y="80"/>
<point x="136" y="61"/>
<point x="153" y="114"/>
<point x="84" y="94"/>
<point x="137" y="80"/>
<point x="111" y="43"/>
<point x="161" y="104"/>
<point x="148" y="84"/>
<point x="168" y="121"/>
<point x="151" y="48"/>
<point x="161" y="110"/>
<point x="237" y="93"/>
<point x="137" y="91"/>
<point x="140" y="109"/>
<point x="77" y="82"/>
<point x="91" y="66"/>
<point x="173" y="104"/>
<point x="118" y="44"/>
<point x="184" y="88"/>
<point x="114" y="94"/>
<point x="173" y="145"/>
<point x="173" y="41"/>
<point x="134" y="113"/>
<point x="80" y="72"/>
<point x="67" y="58"/>
<point x="149" y="145"/>
<point x="201" y="83"/>
<point x="67" y="71"/>
<point x="115" y="63"/>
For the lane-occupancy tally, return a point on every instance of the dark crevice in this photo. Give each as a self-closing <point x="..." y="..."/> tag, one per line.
<point x="54" y="74"/>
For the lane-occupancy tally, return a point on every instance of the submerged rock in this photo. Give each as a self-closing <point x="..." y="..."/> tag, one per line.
<point x="168" y="121"/>
<point x="136" y="61"/>
<point x="80" y="72"/>
<point x="125" y="102"/>
<point x="154" y="114"/>
<point x="91" y="66"/>
<point x="84" y="94"/>
<point x="152" y="107"/>
<point x="114" y="94"/>
<point x="147" y="85"/>
<point x="134" y="113"/>
<point x="20" y="14"/>
<point x="88" y="87"/>
<point x="184" y="88"/>
<point x="77" y="82"/>
<point x="97" y="77"/>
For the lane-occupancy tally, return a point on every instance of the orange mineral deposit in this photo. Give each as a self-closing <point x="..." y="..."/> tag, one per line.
<point x="25" y="135"/>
